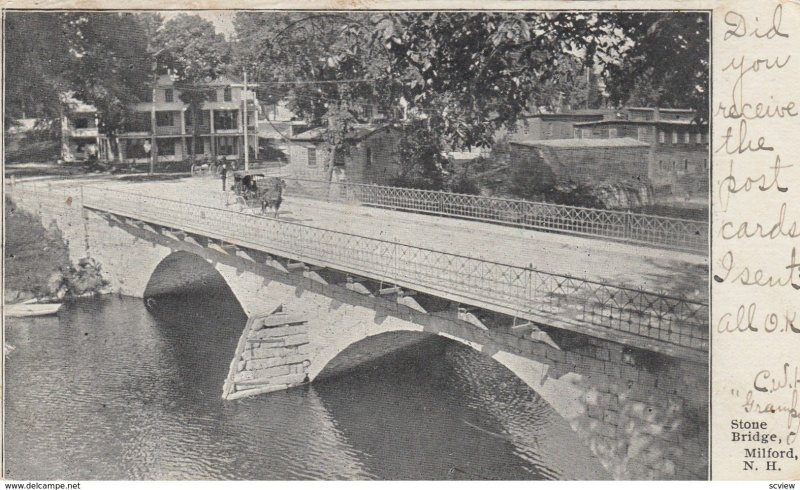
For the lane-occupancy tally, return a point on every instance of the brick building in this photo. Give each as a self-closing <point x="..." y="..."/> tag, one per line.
<point x="678" y="147"/>
<point x="583" y="161"/>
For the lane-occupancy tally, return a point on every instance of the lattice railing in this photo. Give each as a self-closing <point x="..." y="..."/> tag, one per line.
<point x="660" y="231"/>
<point x="519" y="291"/>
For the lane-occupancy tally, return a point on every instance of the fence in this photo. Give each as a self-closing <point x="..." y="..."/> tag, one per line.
<point x="518" y="291"/>
<point x="673" y="233"/>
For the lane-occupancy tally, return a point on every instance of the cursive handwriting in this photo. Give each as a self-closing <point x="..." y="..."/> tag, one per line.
<point x="783" y="385"/>
<point x="745" y="321"/>
<point x="730" y="185"/>
<point x="745" y="229"/>
<point x="747" y="277"/>
<point x="737" y="26"/>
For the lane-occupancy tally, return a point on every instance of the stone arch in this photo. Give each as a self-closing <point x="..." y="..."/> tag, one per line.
<point x="182" y="270"/>
<point x="561" y="393"/>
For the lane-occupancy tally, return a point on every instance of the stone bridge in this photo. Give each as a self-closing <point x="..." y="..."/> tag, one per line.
<point x="640" y="402"/>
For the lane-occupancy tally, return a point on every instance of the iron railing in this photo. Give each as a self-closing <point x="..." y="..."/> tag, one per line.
<point x="673" y="233"/>
<point x="577" y="304"/>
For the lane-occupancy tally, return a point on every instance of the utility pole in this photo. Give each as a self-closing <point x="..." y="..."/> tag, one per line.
<point x="244" y="118"/>
<point x="153" y="147"/>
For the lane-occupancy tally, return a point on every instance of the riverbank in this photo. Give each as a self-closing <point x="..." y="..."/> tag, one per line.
<point x="37" y="263"/>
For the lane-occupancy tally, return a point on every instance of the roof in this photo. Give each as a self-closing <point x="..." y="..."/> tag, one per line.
<point x="668" y="122"/>
<point x="357" y="133"/>
<point x="660" y="109"/>
<point x="568" y="116"/>
<point x="585" y="143"/>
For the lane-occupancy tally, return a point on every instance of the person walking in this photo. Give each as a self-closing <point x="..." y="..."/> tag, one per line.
<point x="224" y="174"/>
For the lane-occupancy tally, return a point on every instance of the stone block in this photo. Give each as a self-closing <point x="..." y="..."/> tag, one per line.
<point x="262" y="373"/>
<point x="274" y="361"/>
<point x="279" y="331"/>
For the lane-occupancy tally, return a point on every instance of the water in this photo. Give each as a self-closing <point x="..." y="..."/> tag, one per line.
<point x="108" y="391"/>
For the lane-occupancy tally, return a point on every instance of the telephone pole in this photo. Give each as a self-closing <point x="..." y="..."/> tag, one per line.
<point x="244" y="118"/>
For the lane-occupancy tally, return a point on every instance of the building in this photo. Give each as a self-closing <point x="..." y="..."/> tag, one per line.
<point x="221" y="127"/>
<point x="370" y="155"/>
<point x="80" y="138"/>
<point x="589" y="162"/>
<point x="554" y="126"/>
<point x="678" y="156"/>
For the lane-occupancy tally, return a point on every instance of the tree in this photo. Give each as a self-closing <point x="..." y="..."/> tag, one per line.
<point x="666" y="65"/>
<point x="473" y="73"/>
<point x="108" y="64"/>
<point x="324" y="64"/>
<point x="422" y="161"/>
<point x="36" y="58"/>
<point x="190" y="47"/>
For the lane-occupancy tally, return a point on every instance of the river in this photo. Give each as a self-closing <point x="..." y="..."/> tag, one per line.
<point x="109" y="390"/>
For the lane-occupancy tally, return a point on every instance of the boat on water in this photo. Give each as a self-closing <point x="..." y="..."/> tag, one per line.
<point x="31" y="308"/>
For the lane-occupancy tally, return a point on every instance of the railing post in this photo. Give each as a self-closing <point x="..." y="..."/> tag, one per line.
<point x="628" y="225"/>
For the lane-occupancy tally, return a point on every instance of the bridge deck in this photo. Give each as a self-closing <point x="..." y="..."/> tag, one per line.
<point x="619" y="264"/>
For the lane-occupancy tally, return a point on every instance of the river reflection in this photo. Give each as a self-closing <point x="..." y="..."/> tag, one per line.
<point x="108" y="390"/>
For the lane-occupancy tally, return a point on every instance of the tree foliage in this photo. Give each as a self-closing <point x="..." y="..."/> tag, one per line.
<point x="97" y="57"/>
<point x="666" y="65"/>
<point x="195" y="55"/>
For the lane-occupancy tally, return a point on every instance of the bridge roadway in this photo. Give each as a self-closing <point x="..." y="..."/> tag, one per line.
<point x="619" y="264"/>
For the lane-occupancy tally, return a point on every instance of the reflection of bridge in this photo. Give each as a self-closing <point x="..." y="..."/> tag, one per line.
<point x="625" y="367"/>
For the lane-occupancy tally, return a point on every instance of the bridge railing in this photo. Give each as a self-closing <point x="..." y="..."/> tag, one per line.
<point x="560" y="300"/>
<point x="659" y="231"/>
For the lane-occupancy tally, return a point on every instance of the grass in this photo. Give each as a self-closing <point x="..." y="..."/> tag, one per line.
<point x="32" y="252"/>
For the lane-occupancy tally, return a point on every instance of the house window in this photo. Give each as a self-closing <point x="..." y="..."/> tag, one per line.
<point x="661" y="137"/>
<point x="673" y="165"/>
<point x="81" y="123"/>
<point x="698" y="138"/>
<point x="212" y="95"/>
<point x="686" y="164"/>
<point x="686" y="137"/>
<point x="226" y="145"/>
<point x="204" y="115"/>
<point x="165" y="119"/>
<point x="674" y="137"/>
<point x="139" y="122"/>
<point x="166" y="147"/>
<point x="312" y="157"/>
<point x="168" y="95"/>
<point x="368" y="160"/>
<point x="338" y="159"/>
<point x="226" y="119"/>
<point x="227" y="96"/>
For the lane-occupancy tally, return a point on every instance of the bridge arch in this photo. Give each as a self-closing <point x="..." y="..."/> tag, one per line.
<point x="183" y="271"/>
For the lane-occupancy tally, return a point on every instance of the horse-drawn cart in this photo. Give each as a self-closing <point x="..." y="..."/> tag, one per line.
<point x="255" y="190"/>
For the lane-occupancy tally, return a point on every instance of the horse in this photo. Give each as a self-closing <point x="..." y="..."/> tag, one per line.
<point x="272" y="195"/>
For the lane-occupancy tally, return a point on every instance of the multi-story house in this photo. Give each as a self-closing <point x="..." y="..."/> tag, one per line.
<point x="220" y="124"/>
<point x="80" y="139"/>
